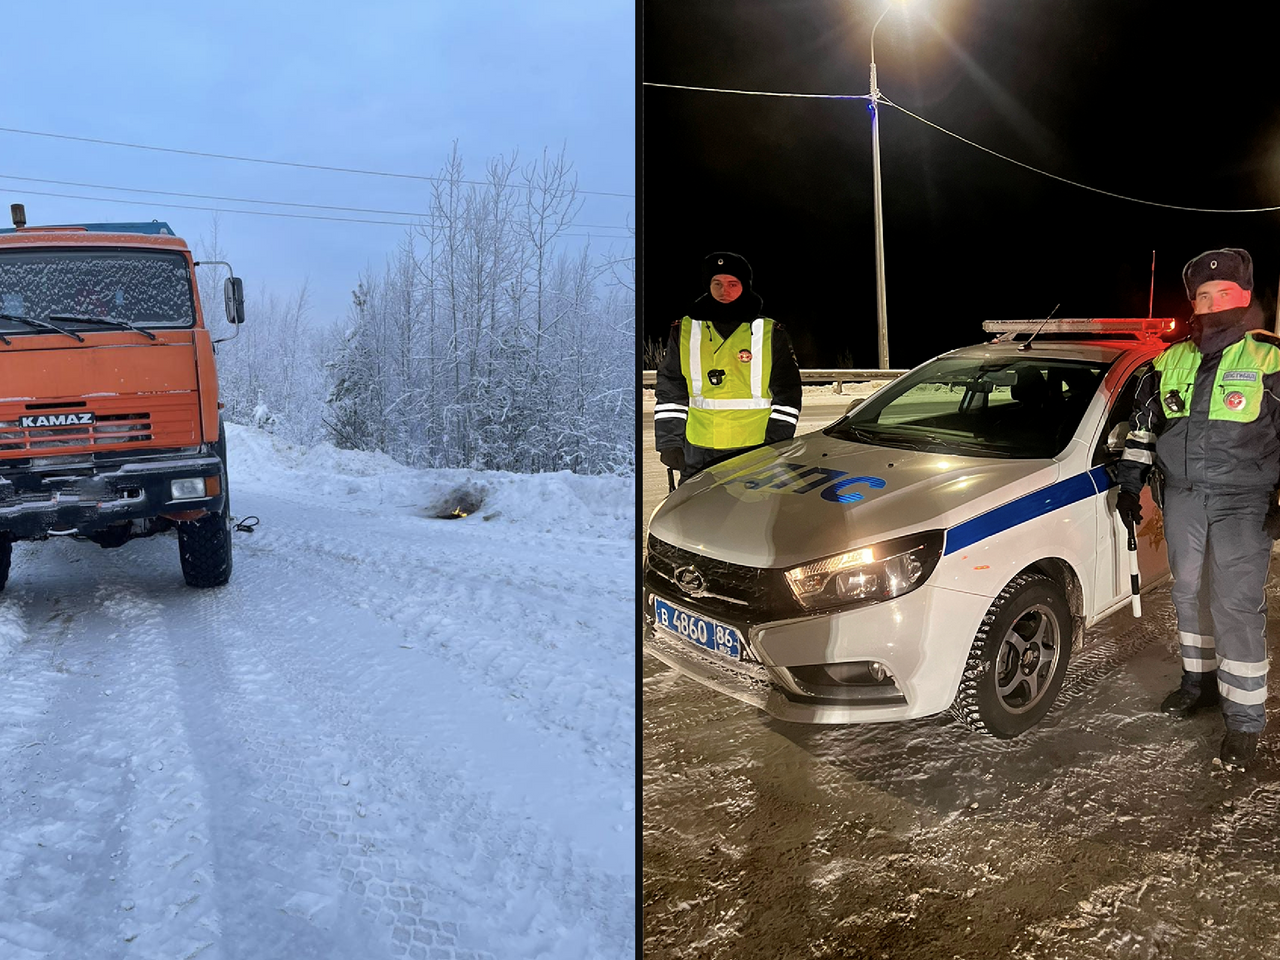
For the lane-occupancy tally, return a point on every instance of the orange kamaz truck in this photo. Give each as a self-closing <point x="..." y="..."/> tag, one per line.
<point x="109" y="412"/>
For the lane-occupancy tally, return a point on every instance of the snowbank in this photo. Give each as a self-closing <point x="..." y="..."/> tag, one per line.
<point x="558" y="503"/>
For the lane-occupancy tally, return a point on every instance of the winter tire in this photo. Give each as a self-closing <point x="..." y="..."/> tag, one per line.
<point x="1018" y="659"/>
<point x="204" y="545"/>
<point x="6" y="556"/>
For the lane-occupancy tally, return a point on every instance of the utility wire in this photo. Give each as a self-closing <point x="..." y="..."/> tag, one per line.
<point x="252" y="213"/>
<point x="930" y="123"/>
<point x="1082" y="186"/>
<point x="763" y="93"/>
<point x="278" y="163"/>
<point x="276" y="203"/>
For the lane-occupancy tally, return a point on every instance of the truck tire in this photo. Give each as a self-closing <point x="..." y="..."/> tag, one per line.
<point x="6" y="556"/>
<point x="1018" y="659"/>
<point x="204" y="545"/>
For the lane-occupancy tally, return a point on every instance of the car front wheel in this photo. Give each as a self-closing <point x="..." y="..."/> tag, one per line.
<point x="1018" y="658"/>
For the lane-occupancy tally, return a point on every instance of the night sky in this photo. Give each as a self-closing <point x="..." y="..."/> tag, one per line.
<point x="1129" y="97"/>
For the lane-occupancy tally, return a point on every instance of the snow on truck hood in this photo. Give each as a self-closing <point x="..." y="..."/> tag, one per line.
<point x="815" y="496"/>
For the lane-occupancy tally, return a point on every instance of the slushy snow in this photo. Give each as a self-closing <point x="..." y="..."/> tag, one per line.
<point x="391" y="735"/>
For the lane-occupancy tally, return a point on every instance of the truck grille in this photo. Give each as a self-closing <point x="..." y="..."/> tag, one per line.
<point x="119" y="423"/>
<point x="745" y="595"/>
<point x="117" y="428"/>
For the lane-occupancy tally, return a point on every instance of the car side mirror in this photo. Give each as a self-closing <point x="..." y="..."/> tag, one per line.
<point x="853" y="405"/>
<point x="1116" y="438"/>
<point x="233" y="294"/>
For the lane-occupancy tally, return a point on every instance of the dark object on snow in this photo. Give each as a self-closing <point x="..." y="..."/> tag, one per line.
<point x="461" y="501"/>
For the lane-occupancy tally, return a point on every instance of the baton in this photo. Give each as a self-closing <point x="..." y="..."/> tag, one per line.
<point x="1136" y="597"/>
<point x="671" y="480"/>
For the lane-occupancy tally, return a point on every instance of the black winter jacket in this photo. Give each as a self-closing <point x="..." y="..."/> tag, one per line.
<point x="1194" y="451"/>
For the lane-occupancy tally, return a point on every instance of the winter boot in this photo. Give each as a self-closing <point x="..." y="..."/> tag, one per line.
<point x="1188" y="698"/>
<point x="1239" y="748"/>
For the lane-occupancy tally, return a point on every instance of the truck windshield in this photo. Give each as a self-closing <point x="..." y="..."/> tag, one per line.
<point x="979" y="406"/>
<point x="141" y="287"/>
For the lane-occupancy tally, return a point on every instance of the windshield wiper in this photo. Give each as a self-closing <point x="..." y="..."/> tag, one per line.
<point x="109" y="321"/>
<point x="878" y="438"/>
<point x="45" y="324"/>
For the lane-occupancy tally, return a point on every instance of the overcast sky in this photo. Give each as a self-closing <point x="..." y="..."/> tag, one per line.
<point x="383" y="85"/>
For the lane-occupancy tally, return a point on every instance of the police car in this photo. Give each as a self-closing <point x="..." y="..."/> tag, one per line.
<point x="945" y="544"/>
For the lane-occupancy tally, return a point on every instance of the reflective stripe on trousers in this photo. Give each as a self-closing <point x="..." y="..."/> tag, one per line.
<point x="1219" y="554"/>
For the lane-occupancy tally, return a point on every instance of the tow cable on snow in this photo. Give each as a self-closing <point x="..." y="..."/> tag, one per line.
<point x="247" y="524"/>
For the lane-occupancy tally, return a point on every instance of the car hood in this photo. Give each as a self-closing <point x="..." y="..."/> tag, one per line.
<point x="815" y="496"/>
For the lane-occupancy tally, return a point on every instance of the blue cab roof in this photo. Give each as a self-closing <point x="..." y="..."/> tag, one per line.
<point x="153" y="226"/>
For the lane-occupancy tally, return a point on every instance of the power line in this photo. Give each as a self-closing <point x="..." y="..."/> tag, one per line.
<point x="1082" y="186"/>
<point x="1026" y="166"/>
<point x="278" y="203"/>
<point x="764" y="93"/>
<point x="253" y="213"/>
<point x="278" y="163"/>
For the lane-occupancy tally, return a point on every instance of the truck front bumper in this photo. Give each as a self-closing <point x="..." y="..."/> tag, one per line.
<point x="86" y="497"/>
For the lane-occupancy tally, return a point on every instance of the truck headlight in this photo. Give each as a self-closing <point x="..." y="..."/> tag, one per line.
<point x="191" y="489"/>
<point x="881" y="571"/>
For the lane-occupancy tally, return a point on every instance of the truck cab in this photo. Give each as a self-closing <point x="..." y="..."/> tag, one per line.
<point x="109" y="411"/>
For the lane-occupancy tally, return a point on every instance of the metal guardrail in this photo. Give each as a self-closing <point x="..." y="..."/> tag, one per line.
<point x="838" y="377"/>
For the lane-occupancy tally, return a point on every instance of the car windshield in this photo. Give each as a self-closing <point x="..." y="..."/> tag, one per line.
<point x="1026" y="408"/>
<point x="142" y="287"/>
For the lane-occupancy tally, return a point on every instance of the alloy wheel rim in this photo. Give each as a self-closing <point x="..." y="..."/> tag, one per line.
<point x="1029" y="654"/>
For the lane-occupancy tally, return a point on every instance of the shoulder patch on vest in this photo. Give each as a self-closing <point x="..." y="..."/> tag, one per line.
<point x="1265" y="336"/>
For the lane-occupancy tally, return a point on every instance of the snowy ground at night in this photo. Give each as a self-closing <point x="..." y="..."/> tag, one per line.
<point x="389" y="736"/>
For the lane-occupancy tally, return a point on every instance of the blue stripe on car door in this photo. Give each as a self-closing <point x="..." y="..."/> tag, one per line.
<point x="1053" y="497"/>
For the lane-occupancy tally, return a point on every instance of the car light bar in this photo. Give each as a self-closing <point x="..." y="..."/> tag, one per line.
<point x="1149" y="325"/>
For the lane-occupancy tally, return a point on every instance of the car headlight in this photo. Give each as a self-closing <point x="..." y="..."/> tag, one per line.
<point x="881" y="571"/>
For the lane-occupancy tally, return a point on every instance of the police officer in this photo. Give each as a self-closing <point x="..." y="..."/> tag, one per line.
<point x="729" y="380"/>
<point x="1207" y="414"/>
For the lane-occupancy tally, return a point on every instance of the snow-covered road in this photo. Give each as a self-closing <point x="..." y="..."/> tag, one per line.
<point x="389" y="736"/>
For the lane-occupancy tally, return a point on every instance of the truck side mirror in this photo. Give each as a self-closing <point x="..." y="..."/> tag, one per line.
<point x="233" y="293"/>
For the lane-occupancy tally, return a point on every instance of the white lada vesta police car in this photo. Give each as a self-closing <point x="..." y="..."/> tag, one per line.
<point x="945" y="544"/>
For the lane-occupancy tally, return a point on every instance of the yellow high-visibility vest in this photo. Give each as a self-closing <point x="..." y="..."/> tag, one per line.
<point x="1237" y="387"/>
<point x="734" y="412"/>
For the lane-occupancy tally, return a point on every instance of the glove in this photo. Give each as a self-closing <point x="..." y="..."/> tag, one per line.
<point x="1271" y="522"/>
<point x="1129" y="506"/>
<point x="672" y="457"/>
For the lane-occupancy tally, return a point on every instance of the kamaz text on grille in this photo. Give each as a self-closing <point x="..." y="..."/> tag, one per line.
<point x="57" y="420"/>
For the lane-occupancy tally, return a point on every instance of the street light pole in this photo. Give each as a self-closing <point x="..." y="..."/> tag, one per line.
<point x="882" y="310"/>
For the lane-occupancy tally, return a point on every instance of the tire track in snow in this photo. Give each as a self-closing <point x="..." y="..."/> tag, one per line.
<point x="244" y="720"/>
<point x="484" y="850"/>
<point x="419" y="596"/>
<point x="103" y="848"/>
<point x="171" y="908"/>
<point x="296" y="755"/>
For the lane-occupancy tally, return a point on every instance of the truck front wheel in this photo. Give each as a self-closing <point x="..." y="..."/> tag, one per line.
<point x="6" y="555"/>
<point x="205" y="548"/>
<point x="205" y="544"/>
